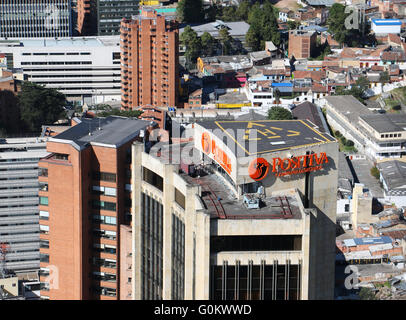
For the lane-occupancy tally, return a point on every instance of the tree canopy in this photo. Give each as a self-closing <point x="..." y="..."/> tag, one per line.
<point x="263" y="25"/>
<point x="190" y="39"/>
<point x="357" y="90"/>
<point x="350" y="37"/>
<point x="122" y="113"/>
<point x="40" y="105"/>
<point x="279" y="113"/>
<point x="10" y="122"/>
<point x="190" y="11"/>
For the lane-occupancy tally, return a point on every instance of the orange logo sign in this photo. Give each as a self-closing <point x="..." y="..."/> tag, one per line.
<point x="301" y="164"/>
<point x="206" y="143"/>
<point x="258" y="169"/>
<point x="209" y="146"/>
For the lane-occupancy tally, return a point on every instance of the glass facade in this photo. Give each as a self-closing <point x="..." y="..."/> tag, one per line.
<point x="151" y="248"/>
<point x="178" y="258"/>
<point x="255" y="282"/>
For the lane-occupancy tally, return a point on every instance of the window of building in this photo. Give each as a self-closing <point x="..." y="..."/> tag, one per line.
<point x="44" y="215"/>
<point x="105" y="219"/>
<point x="43" y="201"/>
<point x="104" y="205"/>
<point x="106" y="234"/>
<point x="104" y="176"/>
<point x="61" y="156"/>
<point x="43" y="172"/>
<point x="43" y="186"/>
<point x="43" y="229"/>
<point x="180" y="198"/>
<point x="44" y="243"/>
<point x="44" y="257"/>
<point x="153" y="179"/>
<point x="107" y="191"/>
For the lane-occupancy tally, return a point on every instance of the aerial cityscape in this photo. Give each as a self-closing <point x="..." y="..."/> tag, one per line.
<point x="235" y="150"/>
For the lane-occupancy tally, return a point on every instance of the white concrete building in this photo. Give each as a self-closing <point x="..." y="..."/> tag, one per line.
<point x="84" y="69"/>
<point x="380" y="26"/>
<point x="378" y="136"/>
<point x="19" y="213"/>
<point x="225" y="224"/>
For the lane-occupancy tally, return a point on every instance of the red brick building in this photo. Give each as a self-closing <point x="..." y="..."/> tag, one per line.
<point x="149" y="47"/>
<point x="84" y="199"/>
<point x="301" y="44"/>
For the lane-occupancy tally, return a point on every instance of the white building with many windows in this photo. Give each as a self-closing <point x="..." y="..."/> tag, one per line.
<point x="85" y="69"/>
<point x="35" y="19"/>
<point x="19" y="213"/>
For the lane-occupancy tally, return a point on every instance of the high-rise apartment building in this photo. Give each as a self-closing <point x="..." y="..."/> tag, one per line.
<point x="250" y="217"/>
<point x="149" y="61"/>
<point x="35" y="19"/>
<point x="86" y="199"/>
<point x="19" y="214"/>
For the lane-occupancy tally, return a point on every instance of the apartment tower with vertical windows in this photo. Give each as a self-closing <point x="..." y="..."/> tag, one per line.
<point x="149" y="61"/>
<point x="86" y="199"/>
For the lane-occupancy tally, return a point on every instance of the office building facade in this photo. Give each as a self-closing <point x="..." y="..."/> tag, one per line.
<point x="85" y="69"/>
<point x="110" y="14"/>
<point x="88" y="197"/>
<point x="236" y="224"/>
<point x="35" y="19"/>
<point x="149" y="49"/>
<point x="19" y="213"/>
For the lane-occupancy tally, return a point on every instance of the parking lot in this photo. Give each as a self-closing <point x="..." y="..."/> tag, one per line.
<point x="363" y="175"/>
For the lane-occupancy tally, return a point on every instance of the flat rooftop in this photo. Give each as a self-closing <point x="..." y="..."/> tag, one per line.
<point x="386" y="122"/>
<point x="100" y="41"/>
<point x="115" y="131"/>
<point x="220" y="203"/>
<point x="269" y="135"/>
<point x="394" y="173"/>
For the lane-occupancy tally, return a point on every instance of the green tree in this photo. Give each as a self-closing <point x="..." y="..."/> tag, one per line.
<point x="384" y="77"/>
<point x="263" y="26"/>
<point x="243" y="10"/>
<point x="40" y="105"/>
<point x="193" y="44"/>
<point x="277" y="95"/>
<point x="336" y="22"/>
<point x="253" y="37"/>
<point x="279" y="113"/>
<point x="121" y="113"/>
<point x="226" y="41"/>
<point x="208" y="44"/>
<point x="293" y="24"/>
<point x="190" y="11"/>
<point x="366" y="294"/>
<point x="213" y="12"/>
<point x="375" y="172"/>
<point x="10" y="113"/>
<point x="229" y="13"/>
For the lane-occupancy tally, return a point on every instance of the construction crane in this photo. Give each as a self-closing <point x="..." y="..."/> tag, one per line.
<point x="4" y="247"/>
